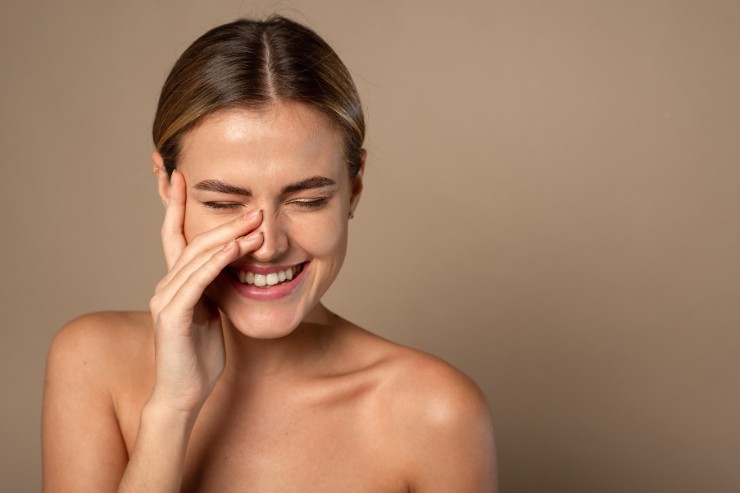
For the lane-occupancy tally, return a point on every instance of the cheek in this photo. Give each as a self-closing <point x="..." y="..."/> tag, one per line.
<point x="321" y="236"/>
<point x="196" y="222"/>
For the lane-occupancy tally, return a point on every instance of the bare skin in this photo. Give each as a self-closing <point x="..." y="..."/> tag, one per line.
<point x="217" y="391"/>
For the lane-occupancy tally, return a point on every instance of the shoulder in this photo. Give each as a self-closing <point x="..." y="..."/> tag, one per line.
<point x="439" y="420"/>
<point x="99" y="368"/>
<point x="88" y="366"/>
<point x="95" y="343"/>
<point x="97" y="331"/>
<point x="434" y="394"/>
<point x="417" y="382"/>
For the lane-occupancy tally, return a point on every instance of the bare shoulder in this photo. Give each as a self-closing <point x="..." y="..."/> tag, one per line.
<point x="88" y="366"/>
<point x="97" y="342"/>
<point x="105" y="325"/>
<point x="421" y="383"/>
<point x="96" y="331"/>
<point x="438" y="419"/>
<point x="431" y="393"/>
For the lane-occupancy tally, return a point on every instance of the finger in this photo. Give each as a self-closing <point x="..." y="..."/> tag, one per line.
<point x="251" y="242"/>
<point x="173" y="237"/>
<point x="211" y="241"/>
<point x="161" y="302"/>
<point x="218" y="236"/>
<point x="189" y="292"/>
<point x="167" y="289"/>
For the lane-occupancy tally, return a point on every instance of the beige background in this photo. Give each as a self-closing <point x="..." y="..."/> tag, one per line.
<point x="551" y="204"/>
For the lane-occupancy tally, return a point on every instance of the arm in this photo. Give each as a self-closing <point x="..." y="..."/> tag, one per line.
<point x="188" y="342"/>
<point x="83" y="449"/>
<point x="83" y="446"/>
<point x="157" y="460"/>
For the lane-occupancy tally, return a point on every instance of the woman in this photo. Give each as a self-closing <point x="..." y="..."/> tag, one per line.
<point x="240" y="379"/>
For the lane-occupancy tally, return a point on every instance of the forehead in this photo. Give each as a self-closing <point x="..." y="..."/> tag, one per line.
<point x="286" y="141"/>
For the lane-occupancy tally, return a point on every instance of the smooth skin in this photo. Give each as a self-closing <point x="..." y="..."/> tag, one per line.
<point x="213" y="391"/>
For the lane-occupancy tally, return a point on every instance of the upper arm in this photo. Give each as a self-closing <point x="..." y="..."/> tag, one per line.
<point x="451" y="435"/>
<point x="82" y="445"/>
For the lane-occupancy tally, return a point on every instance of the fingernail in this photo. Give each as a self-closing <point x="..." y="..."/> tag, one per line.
<point x="252" y="213"/>
<point x="254" y="234"/>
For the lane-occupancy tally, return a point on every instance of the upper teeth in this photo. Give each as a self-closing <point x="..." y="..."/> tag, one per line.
<point x="271" y="279"/>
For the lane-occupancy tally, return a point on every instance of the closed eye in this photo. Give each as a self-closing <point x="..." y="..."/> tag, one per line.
<point x="222" y="205"/>
<point x="310" y="203"/>
<point x="302" y="203"/>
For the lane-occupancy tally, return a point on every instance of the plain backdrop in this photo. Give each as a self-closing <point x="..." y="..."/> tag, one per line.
<point x="551" y="204"/>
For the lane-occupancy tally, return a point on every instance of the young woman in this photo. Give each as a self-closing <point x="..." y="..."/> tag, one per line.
<point x="239" y="379"/>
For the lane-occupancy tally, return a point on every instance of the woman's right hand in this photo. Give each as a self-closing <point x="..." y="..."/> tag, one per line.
<point x="189" y="346"/>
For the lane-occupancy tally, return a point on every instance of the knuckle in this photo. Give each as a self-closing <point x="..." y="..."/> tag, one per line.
<point x="205" y="274"/>
<point x="154" y="305"/>
<point x="212" y="268"/>
<point x="164" y="316"/>
<point x="198" y="241"/>
<point x="161" y="284"/>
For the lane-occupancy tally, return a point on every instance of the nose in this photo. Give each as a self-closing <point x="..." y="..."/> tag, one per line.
<point x="275" y="240"/>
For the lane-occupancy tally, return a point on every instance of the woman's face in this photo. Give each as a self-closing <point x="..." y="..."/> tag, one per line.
<point x="287" y="161"/>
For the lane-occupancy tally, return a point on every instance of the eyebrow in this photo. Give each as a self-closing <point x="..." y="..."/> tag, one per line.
<point x="309" y="183"/>
<point x="221" y="187"/>
<point x="226" y="188"/>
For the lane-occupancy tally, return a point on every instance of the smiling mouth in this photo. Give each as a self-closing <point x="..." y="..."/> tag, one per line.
<point x="267" y="280"/>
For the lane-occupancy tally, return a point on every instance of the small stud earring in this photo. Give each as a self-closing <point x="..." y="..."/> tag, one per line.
<point x="156" y="170"/>
<point x="351" y="215"/>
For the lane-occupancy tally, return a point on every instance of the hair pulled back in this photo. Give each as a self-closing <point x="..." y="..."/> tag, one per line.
<point x="252" y="64"/>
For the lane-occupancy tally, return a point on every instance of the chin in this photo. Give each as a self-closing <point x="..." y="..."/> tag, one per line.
<point x="262" y="318"/>
<point x="264" y="324"/>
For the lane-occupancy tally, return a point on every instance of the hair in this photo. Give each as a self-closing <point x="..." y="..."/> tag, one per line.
<point x="254" y="64"/>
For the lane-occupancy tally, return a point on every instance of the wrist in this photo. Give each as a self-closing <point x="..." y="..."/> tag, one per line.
<point x="177" y="401"/>
<point x="159" y="410"/>
<point x="158" y="457"/>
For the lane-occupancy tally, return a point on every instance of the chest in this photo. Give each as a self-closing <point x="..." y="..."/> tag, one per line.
<point x="290" y="442"/>
<point x="290" y="445"/>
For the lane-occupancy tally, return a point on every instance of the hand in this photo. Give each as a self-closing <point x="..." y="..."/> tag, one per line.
<point x="189" y="345"/>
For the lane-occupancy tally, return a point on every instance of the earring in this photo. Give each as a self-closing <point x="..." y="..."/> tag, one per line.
<point x="351" y="215"/>
<point x="156" y="170"/>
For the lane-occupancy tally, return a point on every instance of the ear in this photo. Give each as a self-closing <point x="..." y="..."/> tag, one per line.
<point x="356" y="192"/>
<point x="163" y="179"/>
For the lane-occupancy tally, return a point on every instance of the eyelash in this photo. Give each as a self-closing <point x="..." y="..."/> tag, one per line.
<point x="221" y="205"/>
<point x="310" y="204"/>
<point x="305" y="204"/>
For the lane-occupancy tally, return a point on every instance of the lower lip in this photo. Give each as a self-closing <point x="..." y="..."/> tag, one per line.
<point x="273" y="292"/>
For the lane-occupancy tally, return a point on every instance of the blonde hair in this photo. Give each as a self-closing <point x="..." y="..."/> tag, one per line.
<point x="253" y="64"/>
